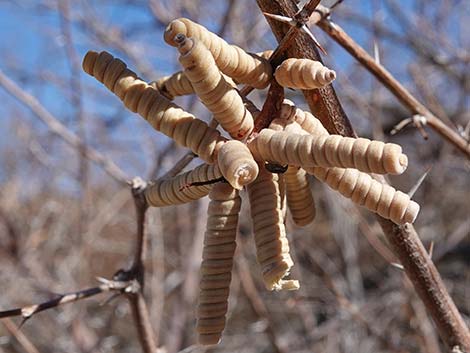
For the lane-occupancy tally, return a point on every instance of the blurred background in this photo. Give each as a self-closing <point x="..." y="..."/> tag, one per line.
<point x="64" y="221"/>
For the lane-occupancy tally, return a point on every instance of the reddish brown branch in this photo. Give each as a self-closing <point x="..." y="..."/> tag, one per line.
<point x="323" y="102"/>
<point x="271" y="107"/>
<point x="403" y="239"/>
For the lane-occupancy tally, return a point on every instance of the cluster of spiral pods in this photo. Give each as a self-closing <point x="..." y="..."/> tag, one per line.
<point x="211" y="69"/>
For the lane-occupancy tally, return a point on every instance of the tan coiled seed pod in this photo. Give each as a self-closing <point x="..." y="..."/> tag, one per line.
<point x="174" y="85"/>
<point x="177" y="190"/>
<point x="266" y="54"/>
<point x="237" y="164"/>
<point x="328" y="151"/>
<point x="161" y="113"/>
<point x="233" y="61"/>
<point x="299" y="196"/>
<point x="177" y="85"/>
<point x="218" y="95"/>
<point x="298" y="193"/>
<point x="272" y="247"/>
<point x="216" y="267"/>
<point x="303" y="74"/>
<point x="305" y="119"/>
<point x="365" y="191"/>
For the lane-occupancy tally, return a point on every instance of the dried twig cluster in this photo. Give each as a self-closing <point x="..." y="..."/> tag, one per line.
<point x="291" y="138"/>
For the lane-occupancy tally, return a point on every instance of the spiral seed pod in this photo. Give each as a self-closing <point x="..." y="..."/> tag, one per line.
<point x="174" y="85"/>
<point x="328" y="151"/>
<point x="233" y="61"/>
<point x="177" y="190"/>
<point x="177" y="85"/>
<point x="215" y="92"/>
<point x="303" y="74"/>
<point x="289" y="126"/>
<point x="305" y="119"/>
<point x="266" y="54"/>
<point x="272" y="247"/>
<point x="365" y="191"/>
<point x="162" y="114"/>
<point x="299" y="196"/>
<point x="237" y="164"/>
<point x="216" y="267"/>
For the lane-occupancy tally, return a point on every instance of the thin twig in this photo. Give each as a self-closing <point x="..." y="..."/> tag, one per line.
<point x="27" y="312"/>
<point x="137" y="271"/>
<point x="61" y="130"/>
<point x="143" y="323"/>
<point x="255" y="298"/>
<point x="395" y="87"/>
<point x="23" y="340"/>
<point x="350" y="307"/>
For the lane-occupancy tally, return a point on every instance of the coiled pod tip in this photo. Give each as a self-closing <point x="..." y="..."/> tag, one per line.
<point x="89" y="62"/>
<point x="184" y="43"/>
<point x="330" y="75"/>
<point x="237" y="164"/>
<point x="174" y="27"/>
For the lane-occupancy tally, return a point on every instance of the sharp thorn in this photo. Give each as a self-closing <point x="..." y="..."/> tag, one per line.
<point x="307" y="31"/>
<point x="396" y="265"/>
<point x="419" y="182"/>
<point x="110" y="299"/>
<point x="23" y="321"/>
<point x="280" y="18"/>
<point x="376" y="52"/>
<point x="401" y="125"/>
<point x="431" y="249"/>
<point x="102" y="280"/>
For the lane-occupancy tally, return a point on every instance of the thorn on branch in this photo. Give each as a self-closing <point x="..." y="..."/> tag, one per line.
<point x="419" y="182"/>
<point x="398" y="266"/>
<point x="297" y="23"/>
<point x="417" y="120"/>
<point x="118" y="284"/>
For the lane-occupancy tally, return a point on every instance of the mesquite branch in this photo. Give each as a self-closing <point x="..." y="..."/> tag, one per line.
<point x="403" y="239"/>
<point x="395" y="87"/>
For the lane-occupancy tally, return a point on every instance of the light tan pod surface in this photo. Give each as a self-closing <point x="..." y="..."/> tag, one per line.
<point x="174" y="85"/>
<point x="233" y="61"/>
<point x="236" y="164"/>
<point x="216" y="267"/>
<point x="362" y="189"/>
<point x="305" y="119"/>
<point x="177" y="85"/>
<point x="218" y="95"/>
<point x="272" y="248"/>
<point x="303" y="74"/>
<point x="299" y="196"/>
<point x="328" y="151"/>
<point x="176" y="190"/>
<point x="145" y="100"/>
